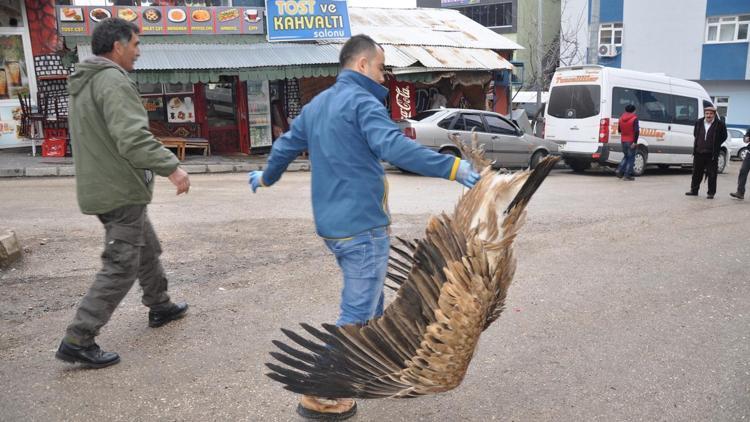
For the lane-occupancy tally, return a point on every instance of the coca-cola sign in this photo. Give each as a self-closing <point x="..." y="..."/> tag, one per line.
<point x="403" y="104"/>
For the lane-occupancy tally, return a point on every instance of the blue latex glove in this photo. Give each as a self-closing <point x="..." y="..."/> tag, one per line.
<point x="465" y="175"/>
<point x="255" y="180"/>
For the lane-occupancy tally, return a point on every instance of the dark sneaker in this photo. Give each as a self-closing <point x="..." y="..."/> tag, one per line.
<point x="159" y="318"/>
<point x="629" y="178"/>
<point x="311" y="407"/>
<point x="710" y="196"/>
<point x="691" y="193"/>
<point x="618" y="174"/>
<point x="737" y="195"/>
<point x="91" y="356"/>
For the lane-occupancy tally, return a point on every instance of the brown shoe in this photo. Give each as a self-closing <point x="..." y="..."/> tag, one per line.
<point x="327" y="409"/>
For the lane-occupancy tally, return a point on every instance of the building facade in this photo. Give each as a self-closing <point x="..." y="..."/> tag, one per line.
<point x="518" y="21"/>
<point x="702" y="40"/>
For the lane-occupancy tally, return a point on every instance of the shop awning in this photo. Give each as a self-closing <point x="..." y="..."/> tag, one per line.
<point x="191" y="63"/>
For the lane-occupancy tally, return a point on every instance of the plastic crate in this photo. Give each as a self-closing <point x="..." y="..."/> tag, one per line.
<point x="54" y="147"/>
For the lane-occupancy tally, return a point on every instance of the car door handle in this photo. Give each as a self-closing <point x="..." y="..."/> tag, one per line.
<point x="495" y="137"/>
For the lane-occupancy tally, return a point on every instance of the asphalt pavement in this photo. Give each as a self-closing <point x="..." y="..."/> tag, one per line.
<point x="630" y="302"/>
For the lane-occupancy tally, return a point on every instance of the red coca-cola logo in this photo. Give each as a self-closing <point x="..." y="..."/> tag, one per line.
<point x="403" y="100"/>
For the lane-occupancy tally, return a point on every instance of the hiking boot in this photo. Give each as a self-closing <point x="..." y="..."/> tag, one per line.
<point x="89" y="356"/>
<point x="737" y="195"/>
<point x="312" y="407"/>
<point x="159" y="318"/>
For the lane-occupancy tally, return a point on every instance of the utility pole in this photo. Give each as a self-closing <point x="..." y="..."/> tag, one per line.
<point x="593" y="49"/>
<point x="539" y="72"/>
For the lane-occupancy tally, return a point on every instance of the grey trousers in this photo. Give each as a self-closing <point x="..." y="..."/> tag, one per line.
<point x="131" y="250"/>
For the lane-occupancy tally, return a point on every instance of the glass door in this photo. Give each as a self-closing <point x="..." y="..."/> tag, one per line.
<point x="222" y="115"/>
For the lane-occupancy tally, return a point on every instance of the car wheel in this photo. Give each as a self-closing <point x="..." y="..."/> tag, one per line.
<point x="742" y="154"/>
<point x="722" y="162"/>
<point x="578" y="166"/>
<point x="640" y="162"/>
<point x="450" y="151"/>
<point x="536" y="158"/>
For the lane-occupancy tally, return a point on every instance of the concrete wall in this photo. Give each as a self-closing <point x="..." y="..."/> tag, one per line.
<point x="679" y="52"/>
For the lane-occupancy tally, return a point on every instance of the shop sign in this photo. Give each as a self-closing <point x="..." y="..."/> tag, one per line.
<point x="164" y="20"/>
<point x="306" y="20"/>
<point x="403" y="102"/>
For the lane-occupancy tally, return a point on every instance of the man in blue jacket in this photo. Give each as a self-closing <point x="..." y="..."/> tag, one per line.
<point x="347" y="132"/>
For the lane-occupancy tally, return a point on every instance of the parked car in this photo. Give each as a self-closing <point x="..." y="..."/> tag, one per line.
<point x="503" y="141"/>
<point x="736" y="143"/>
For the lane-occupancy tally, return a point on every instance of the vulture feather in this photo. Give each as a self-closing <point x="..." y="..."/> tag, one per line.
<point x="451" y="285"/>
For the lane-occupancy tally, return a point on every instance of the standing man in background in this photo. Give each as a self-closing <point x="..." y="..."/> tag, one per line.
<point x="744" y="170"/>
<point x="709" y="133"/>
<point x="116" y="157"/>
<point x="629" y="130"/>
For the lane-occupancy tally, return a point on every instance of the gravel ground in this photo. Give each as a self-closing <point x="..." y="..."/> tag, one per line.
<point x="630" y="302"/>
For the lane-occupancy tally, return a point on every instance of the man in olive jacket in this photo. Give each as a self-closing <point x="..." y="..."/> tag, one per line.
<point x="115" y="157"/>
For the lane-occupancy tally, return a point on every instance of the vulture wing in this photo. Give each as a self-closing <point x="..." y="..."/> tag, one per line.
<point x="452" y="286"/>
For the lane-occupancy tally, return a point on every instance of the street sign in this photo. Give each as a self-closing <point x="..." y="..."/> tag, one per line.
<point x="307" y="20"/>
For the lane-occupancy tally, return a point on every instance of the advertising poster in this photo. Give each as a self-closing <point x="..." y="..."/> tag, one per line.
<point x="403" y="101"/>
<point x="165" y="20"/>
<point x="14" y="78"/>
<point x="306" y="20"/>
<point x="10" y="124"/>
<point x="180" y="109"/>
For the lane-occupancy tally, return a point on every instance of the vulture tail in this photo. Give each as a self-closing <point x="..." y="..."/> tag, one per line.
<point x="533" y="182"/>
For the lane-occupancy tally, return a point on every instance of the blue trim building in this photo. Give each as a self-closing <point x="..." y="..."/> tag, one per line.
<point x="702" y="40"/>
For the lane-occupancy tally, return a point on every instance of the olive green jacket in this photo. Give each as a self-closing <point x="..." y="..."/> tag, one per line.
<point x="115" y="154"/>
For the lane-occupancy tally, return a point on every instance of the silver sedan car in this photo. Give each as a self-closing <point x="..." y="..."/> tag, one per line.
<point x="503" y="141"/>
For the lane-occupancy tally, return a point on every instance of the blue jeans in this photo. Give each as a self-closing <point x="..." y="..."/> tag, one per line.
<point x="363" y="260"/>
<point x="628" y="160"/>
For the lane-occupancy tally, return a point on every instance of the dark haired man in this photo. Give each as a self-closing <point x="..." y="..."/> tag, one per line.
<point x="115" y="158"/>
<point x="709" y="133"/>
<point x="347" y="131"/>
<point x="629" y="131"/>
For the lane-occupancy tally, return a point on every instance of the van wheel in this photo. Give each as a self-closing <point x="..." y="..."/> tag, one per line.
<point x="722" y="162"/>
<point x="578" y="166"/>
<point x="640" y="162"/>
<point x="536" y="158"/>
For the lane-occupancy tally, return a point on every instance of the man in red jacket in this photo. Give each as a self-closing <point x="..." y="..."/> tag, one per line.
<point x="629" y="130"/>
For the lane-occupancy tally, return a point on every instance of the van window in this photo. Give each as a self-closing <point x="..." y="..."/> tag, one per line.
<point x="574" y="101"/>
<point x="655" y="107"/>
<point x="685" y="110"/>
<point x="649" y="106"/>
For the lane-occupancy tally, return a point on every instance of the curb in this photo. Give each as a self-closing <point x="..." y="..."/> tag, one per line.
<point x="69" y="170"/>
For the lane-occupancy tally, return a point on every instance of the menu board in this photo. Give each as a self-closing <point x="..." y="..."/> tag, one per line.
<point x="165" y="20"/>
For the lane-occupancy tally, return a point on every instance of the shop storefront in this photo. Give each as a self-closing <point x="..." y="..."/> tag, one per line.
<point x="224" y="74"/>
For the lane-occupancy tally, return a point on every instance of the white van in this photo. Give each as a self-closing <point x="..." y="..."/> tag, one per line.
<point x="586" y="102"/>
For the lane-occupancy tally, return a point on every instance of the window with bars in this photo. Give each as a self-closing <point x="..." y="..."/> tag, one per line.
<point x="490" y="15"/>
<point x="727" y="29"/>
<point x="610" y="34"/>
<point x="721" y="104"/>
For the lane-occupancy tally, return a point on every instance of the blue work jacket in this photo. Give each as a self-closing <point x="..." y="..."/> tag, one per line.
<point x="347" y="132"/>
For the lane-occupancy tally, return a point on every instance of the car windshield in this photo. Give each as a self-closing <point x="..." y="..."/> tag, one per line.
<point x="574" y="101"/>
<point x="425" y="114"/>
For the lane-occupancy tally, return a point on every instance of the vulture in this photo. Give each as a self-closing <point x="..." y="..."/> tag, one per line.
<point x="451" y="285"/>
